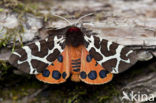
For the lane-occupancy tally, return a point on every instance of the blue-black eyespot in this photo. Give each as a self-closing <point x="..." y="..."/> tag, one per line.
<point x="89" y="58"/>
<point x="103" y="73"/>
<point x="46" y="73"/>
<point x="92" y="75"/>
<point x="56" y="74"/>
<point x="83" y="75"/>
<point x="60" y="58"/>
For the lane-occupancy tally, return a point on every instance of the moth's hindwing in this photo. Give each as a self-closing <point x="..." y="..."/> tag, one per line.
<point x="58" y="71"/>
<point x="113" y="57"/>
<point x="35" y="57"/>
<point x="91" y="72"/>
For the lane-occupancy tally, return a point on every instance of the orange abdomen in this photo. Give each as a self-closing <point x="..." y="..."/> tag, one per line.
<point x="75" y="62"/>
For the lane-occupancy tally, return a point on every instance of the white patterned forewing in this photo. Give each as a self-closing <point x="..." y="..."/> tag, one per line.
<point x="35" y="57"/>
<point x="111" y="56"/>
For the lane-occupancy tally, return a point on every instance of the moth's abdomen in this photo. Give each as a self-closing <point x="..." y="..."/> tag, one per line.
<point x="76" y="63"/>
<point x="75" y="58"/>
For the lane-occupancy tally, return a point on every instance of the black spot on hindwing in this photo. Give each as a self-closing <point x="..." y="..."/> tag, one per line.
<point x="103" y="73"/>
<point x="92" y="75"/>
<point x="64" y="74"/>
<point x="60" y="58"/>
<point x="83" y="75"/>
<point x="89" y="58"/>
<point x="56" y="74"/>
<point x="46" y="73"/>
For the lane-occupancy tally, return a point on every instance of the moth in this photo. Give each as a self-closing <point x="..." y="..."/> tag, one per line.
<point x="73" y="51"/>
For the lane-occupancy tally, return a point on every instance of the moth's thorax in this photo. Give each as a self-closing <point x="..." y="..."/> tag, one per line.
<point x="74" y="37"/>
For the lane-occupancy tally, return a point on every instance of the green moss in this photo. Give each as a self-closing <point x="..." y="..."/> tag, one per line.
<point x="24" y="7"/>
<point x="21" y="8"/>
<point x="108" y="92"/>
<point x="17" y="88"/>
<point x="76" y="95"/>
<point x="1" y="9"/>
<point x="12" y="34"/>
<point x="3" y="69"/>
<point x="14" y="5"/>
<point x="5" y="39"/>
<point x="17" y="93"/>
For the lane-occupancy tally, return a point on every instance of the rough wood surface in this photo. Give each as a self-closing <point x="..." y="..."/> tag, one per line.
<point x="130" y="23"/>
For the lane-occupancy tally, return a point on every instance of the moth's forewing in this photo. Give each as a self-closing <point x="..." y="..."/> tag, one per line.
<point x="113" y="57"/>
<point x="35" y="57"/>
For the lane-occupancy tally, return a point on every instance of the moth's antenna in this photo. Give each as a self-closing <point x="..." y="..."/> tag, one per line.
<point x="62" y="18"/>
<point x="83" y="17"/>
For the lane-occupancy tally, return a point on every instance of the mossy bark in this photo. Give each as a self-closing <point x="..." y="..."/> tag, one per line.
<point x="21" y="88"/>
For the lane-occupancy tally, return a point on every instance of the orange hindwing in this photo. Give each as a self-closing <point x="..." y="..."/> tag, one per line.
<point x="58" y="71"/>
<point x="91" y="72"/>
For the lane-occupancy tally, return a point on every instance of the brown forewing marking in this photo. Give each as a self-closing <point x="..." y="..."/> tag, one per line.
<point x="23" y="57"/>
<point x="109" y="64"/>
<point x="88" y="36"/>
<point x="39" y="48"/>
<point x="50" y="42"/>
<point x="108" y="50"/>
<point x="24" y="67"/>
<point x="13" y="60"/>
<point x="110" y="53"/>
<point x="40" y="66"/>
<point x="15" y="57"/>
<point x="97" y="42"/>
<point x="59" y="36"/>
<point x="95" y="54"/>
<point x="125" y="56"/>
<point x="53" y="55"/>
<point x="86" y="44"/>
<point x="62" y="45"/>
<point x="123" y="65"/>
<point x="124" y="51"/>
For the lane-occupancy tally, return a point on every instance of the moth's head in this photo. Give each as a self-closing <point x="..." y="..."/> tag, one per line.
<point x="74" y="36"/>
<point x="73" y="29"/>
<point x="74" y="32"/>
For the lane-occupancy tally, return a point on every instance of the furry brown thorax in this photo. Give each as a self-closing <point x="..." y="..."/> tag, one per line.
<point x="74" y="37"/>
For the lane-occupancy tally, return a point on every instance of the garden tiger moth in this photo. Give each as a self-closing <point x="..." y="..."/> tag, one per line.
<point x="88" y="58"/>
